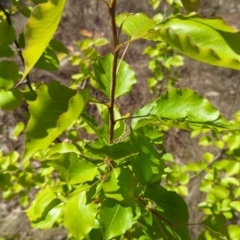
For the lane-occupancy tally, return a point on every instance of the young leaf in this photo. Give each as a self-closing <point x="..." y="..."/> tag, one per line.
<point x="181" y="108"/>
<point x="116" y="219"/>
<point x="79" y="215"/>
<point x="103" y="74"/>
<point x="42" y="24"/>
<point x="54" y="110"/>
<point x="10" y="100"/>
<point x="216" y="224"/>
<point x="135" y="25"/>
<point x="44" y="201"/>
<point x="120" y="185"/>
<point x="207" y="40"/>
<point x="50" y="218"/>
<point x="74" y="170"/>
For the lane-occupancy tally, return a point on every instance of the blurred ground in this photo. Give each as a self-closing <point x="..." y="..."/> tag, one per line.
<point x="220" y="86"/>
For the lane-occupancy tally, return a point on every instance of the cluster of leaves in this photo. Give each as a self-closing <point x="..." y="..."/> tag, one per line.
<point x="121" y="184"/>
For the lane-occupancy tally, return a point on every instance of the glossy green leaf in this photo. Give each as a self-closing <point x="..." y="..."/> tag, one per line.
<point x="120" y="185"/>
<point x="11" y="99"/>
<point x="8" y="34"/>
<point x="59" y="148"/>
<point x="48" y="61"/>
<point x="44" y="201"/>
<point x="216" y="224"/>
<point x="73" y="170"/>
<point x="116" y="219"/>
<point x="103" y="74"/>
<point x="207" y="40"/>
<point x="54" y="110"/>
<point x="8" y="74"/>
<point x="6" y="51"/>
<point x="191" y="5"/>
<point x="135" y="25"/>
<point x="51" y="217"/>
<point x="181" y="108"/>
<point x="42" y="24"/>
<point x="79" y="215"/>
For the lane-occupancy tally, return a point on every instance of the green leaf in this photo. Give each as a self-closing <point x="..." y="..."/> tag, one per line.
<point x="116" y="219"/>
<point x="48" y="61"/>
<point x="51" y="217"/>
<point x="191" y="5"/>
<point x="59" y="148"/>
<point x="207" y="40"/>
<point x="42" y="24"/>
<point x="74" y="170"/>
<point x="235" y="205"/>
<point x="8" y="34"/>
<point x="103" y="74"/>
<point x="234" y="231"/>
<point x="54" y="110"/>
<point x="120" y="185"/>
<point x="169" y="204"/>
<point x="181" y="108"/>
<point x="216" y="224"/>
<point x="11" y="99"/>
<point x="44" y="201"/>
<point x="79" y="215"/>
<point x="148" y="165"/>
<point x="172" y="208"/>
<point x="115" y="151"/>
<point x="135" y="25"/>
<point x="8" y="74"/>
<point x="6" y="51"/>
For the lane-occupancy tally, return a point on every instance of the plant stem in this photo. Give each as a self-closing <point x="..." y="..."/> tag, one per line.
<point x="112" y="10"/>
<point x="17" y="45"/>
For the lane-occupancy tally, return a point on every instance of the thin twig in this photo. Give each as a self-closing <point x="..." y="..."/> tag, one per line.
<point x="17" y="45"/>
<point x="112" y="9"/>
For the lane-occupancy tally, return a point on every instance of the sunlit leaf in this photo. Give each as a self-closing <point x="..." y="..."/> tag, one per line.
<point x="207" y="40"/>
<point x="48" y="61"/>
<point x="135" y="25"/>
<point x="44" y="201"/>
<point x="54" y="110"/>
<point x="216" y="224"/>
<point x="120" y="185"/>
<point x="181" y="108"/>
<point x="115" y="218"/>
<point x="73" y="170"/>
<point x="11" y="99"/>
<point x="103" y="73"/>
<point x="42" y="24"/>
<point x="79" y="215"/>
